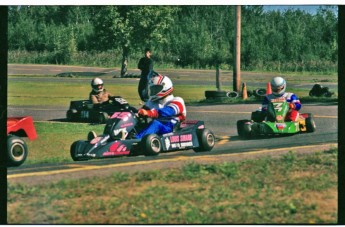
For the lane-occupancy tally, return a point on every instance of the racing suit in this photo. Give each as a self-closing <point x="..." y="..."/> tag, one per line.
<point x="99" y="97"/>
<point x="291" y="98"/>
<point x="168" y="112"/>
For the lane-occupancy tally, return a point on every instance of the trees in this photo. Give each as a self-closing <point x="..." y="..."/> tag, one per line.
<point x="184" y="36"/>
<point x="132" y="27"/>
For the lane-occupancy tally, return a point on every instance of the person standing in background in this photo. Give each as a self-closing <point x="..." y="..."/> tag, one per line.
<point x="146" y="66"/>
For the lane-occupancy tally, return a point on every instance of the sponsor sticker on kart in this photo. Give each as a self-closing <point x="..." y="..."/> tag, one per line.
<point x="280" y="126"/>
<point x="179" y="141"/>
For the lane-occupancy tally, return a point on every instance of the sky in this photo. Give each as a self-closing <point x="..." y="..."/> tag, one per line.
<point x="307" y="8"/>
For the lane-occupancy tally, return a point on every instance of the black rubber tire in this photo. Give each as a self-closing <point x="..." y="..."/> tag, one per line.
<point x="244" y="130"/>
<point x="258" y="116"/>
<point x="17" y="151"/>
<point x="310" y="123"/>
<point x="260" y="92"/>
<point x="74" y="150"/>
<point x="102" y="118"/>
<point x="215" y="94"/>
<point x="151" y="145"/>
<point x="206" y="140"/>
<point x="312" y="94"/>
<point x="232" y="94"/>
<point x="71" y="116"/>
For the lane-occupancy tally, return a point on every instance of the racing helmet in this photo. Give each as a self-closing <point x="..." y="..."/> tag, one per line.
<point x="160" y="86"/>
<point x="278" y="86"/>
<point x="97" y="84"/>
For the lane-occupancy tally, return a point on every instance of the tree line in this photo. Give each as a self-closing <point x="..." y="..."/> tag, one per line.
<point x="180" y="36"/>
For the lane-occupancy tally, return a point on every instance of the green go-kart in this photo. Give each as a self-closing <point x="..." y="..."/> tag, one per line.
<point x="272" y="122"/>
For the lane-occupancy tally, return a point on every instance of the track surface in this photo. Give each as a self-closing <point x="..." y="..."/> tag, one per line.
<point x="221" y="119"/>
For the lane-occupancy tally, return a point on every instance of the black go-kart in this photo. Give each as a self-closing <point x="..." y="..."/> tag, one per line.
<point x="118" y="139"/>
<point x="85" y="111"/>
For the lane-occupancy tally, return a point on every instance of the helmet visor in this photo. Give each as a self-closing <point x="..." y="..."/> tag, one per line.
<point x="278" y="89"/>
<point x="155" y="89"/>
<point x="97" y="86"/>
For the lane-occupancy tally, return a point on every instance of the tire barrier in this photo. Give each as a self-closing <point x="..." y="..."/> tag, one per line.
<point x="259" y="93"/>
<point x="320" y="91"/>
<point x="215" y="94"/>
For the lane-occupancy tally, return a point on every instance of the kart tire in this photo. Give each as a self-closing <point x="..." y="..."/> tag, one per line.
<point x="74" y="151"/>
<point x="215" y="94"/>
<point x="259" y="93"/>
<point x="71" y="116"/>
<point x="312" y="93"/>
<point x="258" y="116"/>
<point x="151" y="145"/>
<point x="244" y="130"/>
<point x="17" y="151"/>
<point x="232" y="94"/>
<point x="102" y="118"/>
<point x="206" y="140"/>
<point x="310" y="123"/>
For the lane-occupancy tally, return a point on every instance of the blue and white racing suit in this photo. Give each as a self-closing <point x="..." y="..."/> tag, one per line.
<point x="171" y="110"/>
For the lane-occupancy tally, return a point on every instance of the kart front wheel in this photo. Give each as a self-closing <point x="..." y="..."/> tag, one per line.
<point x="17" y="151"/>
<point x="244" y="128"/>
<point x="206" y="140"/>
<point x="310" y="123"/>
<point x="151" y="144"/>
<point x="75" y="148"/>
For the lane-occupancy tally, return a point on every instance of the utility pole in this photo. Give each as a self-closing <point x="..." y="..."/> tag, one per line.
<point x="237" y="54"/>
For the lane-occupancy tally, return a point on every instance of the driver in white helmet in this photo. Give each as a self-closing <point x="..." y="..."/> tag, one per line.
<point x="163" y="107"/>
<point x="278" y="86"/>
<point x="98" y="94"/>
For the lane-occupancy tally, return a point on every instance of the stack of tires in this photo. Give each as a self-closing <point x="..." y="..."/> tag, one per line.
<point x="258" y="93"/>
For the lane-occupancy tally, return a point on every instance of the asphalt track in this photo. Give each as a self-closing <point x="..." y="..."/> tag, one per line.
<point x="221" y="119"/>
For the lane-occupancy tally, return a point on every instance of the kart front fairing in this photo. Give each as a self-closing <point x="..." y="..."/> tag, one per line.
<point x="275" y="122"/>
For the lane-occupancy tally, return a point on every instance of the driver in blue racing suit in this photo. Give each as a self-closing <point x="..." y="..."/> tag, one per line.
<point x="163" y="107"/>
<point x="278" y="85"/>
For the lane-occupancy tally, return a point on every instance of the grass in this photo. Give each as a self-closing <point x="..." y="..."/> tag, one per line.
<point x="292" y="189"/>
<point x="53" y="94"/>
<point x="54" y="141"/>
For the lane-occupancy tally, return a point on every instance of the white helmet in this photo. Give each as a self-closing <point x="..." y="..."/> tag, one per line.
<point x="160" y="87"/>
<point x="278" y="85"/>
<point x="97" y="84"/>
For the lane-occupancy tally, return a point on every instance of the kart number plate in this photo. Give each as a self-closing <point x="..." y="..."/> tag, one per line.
<point x="85" y="114"/>
<point x="121" y="100"/>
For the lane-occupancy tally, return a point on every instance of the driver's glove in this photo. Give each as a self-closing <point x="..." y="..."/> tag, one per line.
<point x="148" y="113"/>
<point x="292" y="106"/>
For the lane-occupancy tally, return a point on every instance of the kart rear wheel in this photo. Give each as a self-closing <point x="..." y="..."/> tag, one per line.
<point x="310" y="123"/>
<point x="151" y="144"/>
<point x="206" y="140"/>
<point x="103" y="117"/>
<point x="244" y="128"/>
<point x="74" y="151"/>
<point x="17" y="151"/>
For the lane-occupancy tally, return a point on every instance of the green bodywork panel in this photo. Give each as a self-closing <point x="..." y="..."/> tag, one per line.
<point x="277" y="110"/>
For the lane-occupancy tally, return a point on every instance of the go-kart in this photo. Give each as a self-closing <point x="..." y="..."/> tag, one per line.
<point x="118" y="139"/>
<point x="273" y="121"/>
<point x="17" y="150"/>
<point x="85" y="111"/>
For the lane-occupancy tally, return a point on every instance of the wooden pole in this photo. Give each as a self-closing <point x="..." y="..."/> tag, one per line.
<point x="218" y="85"/>
<point x="237" y="59"/>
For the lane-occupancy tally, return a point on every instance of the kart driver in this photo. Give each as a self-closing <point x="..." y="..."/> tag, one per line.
<point x="98" y="94"/>
<point x="278" y="86"/>
<point x="163" y="107"/>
